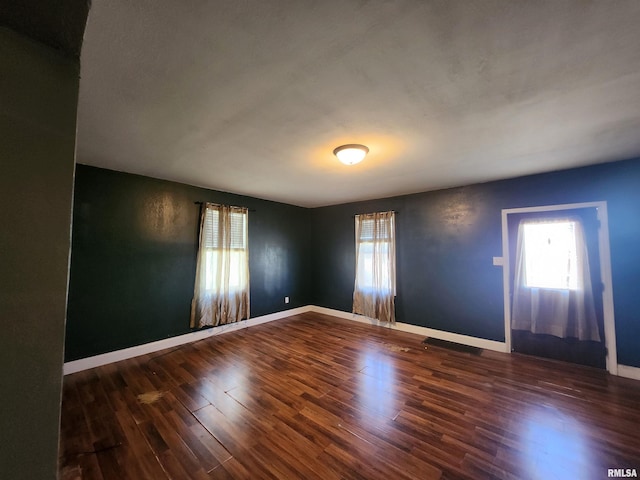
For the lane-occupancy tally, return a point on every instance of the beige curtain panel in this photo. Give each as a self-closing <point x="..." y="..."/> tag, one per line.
<point x="375" y="285"/>
<point x="221" y="293"/>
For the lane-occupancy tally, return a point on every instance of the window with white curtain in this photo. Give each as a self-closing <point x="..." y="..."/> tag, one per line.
<point x="552" y="291"/>
<point x="221" y="293"/>
<point x="375" y="282"/>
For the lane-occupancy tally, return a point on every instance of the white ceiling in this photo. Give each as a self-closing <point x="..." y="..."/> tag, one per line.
<point x="252" y="96"/>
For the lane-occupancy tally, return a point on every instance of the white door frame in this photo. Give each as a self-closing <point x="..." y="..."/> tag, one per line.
<point x="605" y="273"/>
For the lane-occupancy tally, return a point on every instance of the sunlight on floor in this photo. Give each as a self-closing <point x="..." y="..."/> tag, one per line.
<point x="377" y="384"/>
<point x="555" y="446"/>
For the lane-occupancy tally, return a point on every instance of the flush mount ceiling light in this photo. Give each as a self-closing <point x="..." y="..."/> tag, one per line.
<point x="351" y="154"/>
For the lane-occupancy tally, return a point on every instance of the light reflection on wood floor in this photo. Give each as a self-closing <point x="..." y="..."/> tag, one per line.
<point x="314" y="397"/>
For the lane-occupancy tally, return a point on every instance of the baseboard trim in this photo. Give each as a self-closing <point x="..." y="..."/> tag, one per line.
<point x="110" y="357"/>
<point x="424" y="331"/>
<point x="629" y="372"/>
<point x="124" y="354"/>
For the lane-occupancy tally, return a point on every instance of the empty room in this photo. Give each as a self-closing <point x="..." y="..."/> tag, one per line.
<point x="320" y="240"/>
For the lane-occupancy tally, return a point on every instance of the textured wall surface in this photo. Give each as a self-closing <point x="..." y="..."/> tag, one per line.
<point x="446" y="240"/>
<point x="134" y="257"/>
<point x="38" y="94"/>
<point x="134" y="248"/>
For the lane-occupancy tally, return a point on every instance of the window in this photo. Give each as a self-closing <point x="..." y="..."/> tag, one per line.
<point x="375" y="282"/>
<point x="235" y="260"/>
<point x="375" y="240"/>
<point x="221" y="292"/>
<point x="552" y="292"/>
<point x="550" y="255"/>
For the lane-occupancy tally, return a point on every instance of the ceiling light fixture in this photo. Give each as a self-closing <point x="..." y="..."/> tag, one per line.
<point x="351" y="154"/>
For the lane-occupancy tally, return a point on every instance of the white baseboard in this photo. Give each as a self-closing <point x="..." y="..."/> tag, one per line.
<point x="622" y="371"/>
<point x="629" y="372"/>
<point x="110" y="357"/>
<point x="424" y="331"/>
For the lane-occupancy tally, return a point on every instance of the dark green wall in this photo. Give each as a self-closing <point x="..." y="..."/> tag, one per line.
<point x="134" y="254"/>
<point x="446" y="240"/>
<point x="134" y="248"/>
<point x="38" y="98"/>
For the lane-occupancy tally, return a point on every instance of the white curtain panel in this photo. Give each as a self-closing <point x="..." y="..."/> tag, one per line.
<point x="221" y="293"/>
<point x="552" y="286"/>
<point x="375" y="284"/>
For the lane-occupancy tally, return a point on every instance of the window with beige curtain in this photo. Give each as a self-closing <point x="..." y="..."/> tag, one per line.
<point x="221" y="293"/>
<point x="375" y="285"/>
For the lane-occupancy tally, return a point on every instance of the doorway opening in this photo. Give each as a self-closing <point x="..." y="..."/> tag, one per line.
<point x="558" y="298"/>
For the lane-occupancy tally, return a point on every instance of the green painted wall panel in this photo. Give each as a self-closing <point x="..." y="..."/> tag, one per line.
<point x="134" y="255"/>
<point x="446" y="240"/>
<point x="38" y="94"/>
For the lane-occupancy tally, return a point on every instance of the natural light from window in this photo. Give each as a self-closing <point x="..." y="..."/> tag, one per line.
<point x="550" y="255"/>
<point x="366" y="266"/>
<point x="375" y="283"/>
<point x="233" y="261"/>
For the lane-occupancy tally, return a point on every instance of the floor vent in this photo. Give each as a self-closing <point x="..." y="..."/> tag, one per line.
<point x="458" y="347"/>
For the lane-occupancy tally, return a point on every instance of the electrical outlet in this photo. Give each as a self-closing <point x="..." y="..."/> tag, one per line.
<point x="286" y="299"/>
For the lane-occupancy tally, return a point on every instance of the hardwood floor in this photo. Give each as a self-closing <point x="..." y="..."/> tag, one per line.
<point x="315" y="397"/>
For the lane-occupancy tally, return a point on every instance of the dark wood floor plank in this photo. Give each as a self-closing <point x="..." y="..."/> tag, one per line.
<point x="138" y="448"/>
<point x="231" y="470"/>
<point x="235" y="436"/>
<point x="317" y="397"/>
